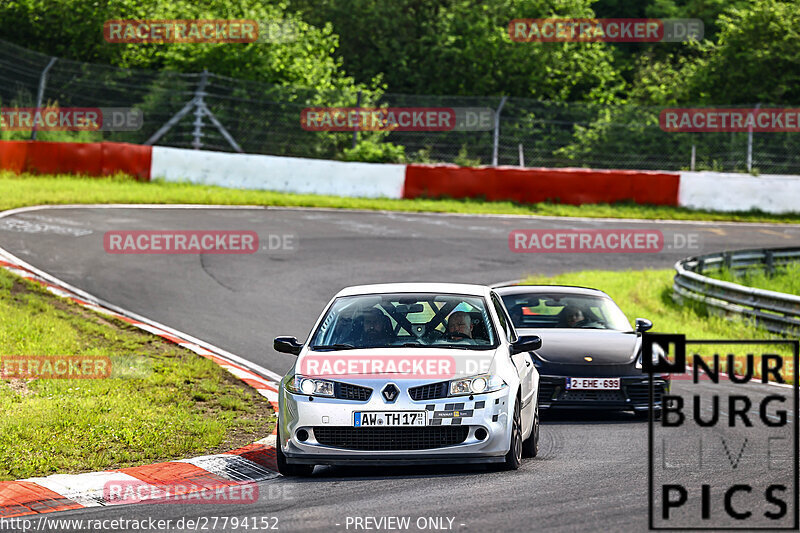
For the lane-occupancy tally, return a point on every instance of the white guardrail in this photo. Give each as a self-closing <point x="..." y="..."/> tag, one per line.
<point x="774" y="311"/>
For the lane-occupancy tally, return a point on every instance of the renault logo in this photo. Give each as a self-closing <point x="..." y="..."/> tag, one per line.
<point x="390" y="392"/>
<point x="588" y="359"/>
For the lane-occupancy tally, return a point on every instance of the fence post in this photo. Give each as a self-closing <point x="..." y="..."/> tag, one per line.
<point x="40" y="96"/>
<point x="197" y="134"/>
<point x="750" y="143"/>
<point x="497" y="129"/>
<point x="358" y="117"/>
<point x="694" y="153"/>
<point x="521" y="156"/>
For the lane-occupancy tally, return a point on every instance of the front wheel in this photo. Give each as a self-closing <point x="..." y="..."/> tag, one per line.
<point x="530" y="448"/>
<point x="285" y="468"/>
<point x="514" y="455"/>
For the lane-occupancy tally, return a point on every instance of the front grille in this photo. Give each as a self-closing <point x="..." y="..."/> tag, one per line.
<point x="428" y="392"/>
<point x="585" y="370"/>
<point x="386" y="439"/>
<point x="640" y="393"/>
<point x="346" y="391"/>
<point x="592" y="395"/>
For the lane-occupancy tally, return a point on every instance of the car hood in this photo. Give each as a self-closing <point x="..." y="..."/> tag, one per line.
<point x="570" y="346"/>
<point x="397" y="363"/>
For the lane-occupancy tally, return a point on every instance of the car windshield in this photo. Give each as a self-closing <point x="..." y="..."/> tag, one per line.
<point x="405" y="320"/>
<point x="565" y="310"/>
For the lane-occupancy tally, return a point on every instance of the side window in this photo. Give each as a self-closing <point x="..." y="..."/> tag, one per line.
<point x="505" y="322"/>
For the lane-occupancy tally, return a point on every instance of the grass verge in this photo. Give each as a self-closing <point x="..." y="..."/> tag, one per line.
<point x="648" y="294"/>
<point x="786" y="279"/>
<point x="28" y="189"/>
<point x="161" y="401"/>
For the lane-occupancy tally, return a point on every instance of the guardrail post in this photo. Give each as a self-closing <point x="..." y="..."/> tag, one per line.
<point x="726" y="260"/>
<point x="701" y="265"/>
<point x="769" y="263"/>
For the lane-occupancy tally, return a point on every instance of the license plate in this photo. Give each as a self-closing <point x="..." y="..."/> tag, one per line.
<point x="593" y="383"/>
<point x="389" y="418"/>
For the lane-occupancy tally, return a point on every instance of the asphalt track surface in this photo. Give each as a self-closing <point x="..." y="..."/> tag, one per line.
<point x="591" y="473"/>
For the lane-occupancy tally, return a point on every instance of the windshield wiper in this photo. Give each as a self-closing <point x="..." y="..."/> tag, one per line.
<point x="413" y="345"/>
<point x="342" y="346"/>
<point x="464" y="346"/>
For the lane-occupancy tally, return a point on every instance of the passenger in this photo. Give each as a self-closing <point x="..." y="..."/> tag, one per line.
<point x="459" y="326"/>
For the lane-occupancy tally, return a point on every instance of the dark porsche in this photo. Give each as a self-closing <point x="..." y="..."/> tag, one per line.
<point x="590" y="355"/>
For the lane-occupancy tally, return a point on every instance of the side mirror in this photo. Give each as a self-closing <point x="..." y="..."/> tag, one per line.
<point x="642" y="325"/>
<point x="528" y="343"/>
<point x="287" y="345"/>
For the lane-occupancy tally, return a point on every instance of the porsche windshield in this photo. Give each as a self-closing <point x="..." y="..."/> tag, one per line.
<point x="565" y="310"/>
<point x="405" y="320"/>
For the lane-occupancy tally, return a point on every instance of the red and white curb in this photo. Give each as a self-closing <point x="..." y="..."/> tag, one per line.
<point x="250" y="464"/>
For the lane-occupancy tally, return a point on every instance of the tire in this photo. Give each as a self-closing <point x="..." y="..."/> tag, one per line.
<point x="530" y="447"/>
<point x="286" y="469"/>
<point x="514" y="455"/>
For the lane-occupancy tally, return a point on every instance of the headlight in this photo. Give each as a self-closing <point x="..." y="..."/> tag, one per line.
<point x="658" y="352"/>
<point x="310" y="387"/>
<point x="476" y="385"/>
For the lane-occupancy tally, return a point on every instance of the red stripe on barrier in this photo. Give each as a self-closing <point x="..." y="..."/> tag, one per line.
<point x="90" y="159"/>
<point x="12" y="155"/>
<point x="532" y="185"/>
<point x="175" y="474"/>
<point x="259" y="454"/>
<point x="18" y="498"/>
<point x="131" y="159"/>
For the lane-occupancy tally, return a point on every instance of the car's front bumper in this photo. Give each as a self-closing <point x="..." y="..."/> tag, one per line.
<point x="487" y="412"/>
<point x="634" y="394"/>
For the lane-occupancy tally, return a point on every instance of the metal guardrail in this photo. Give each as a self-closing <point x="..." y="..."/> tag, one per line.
<point x="775" y="311"/>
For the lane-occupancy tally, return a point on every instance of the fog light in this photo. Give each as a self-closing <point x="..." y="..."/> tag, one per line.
<point x="481" y="434"/>
<point x="302" y="435"/>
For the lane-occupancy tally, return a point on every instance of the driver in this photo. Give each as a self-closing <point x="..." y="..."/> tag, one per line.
<point x="377" y="327"/>
<point x="572" y="317"/>
<point x="459" y="326"/>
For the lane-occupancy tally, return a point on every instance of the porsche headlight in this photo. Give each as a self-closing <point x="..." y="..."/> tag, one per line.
<point x="658" y="352"/>
<point x="310" y="387"/>
<point x="476" y="385"/>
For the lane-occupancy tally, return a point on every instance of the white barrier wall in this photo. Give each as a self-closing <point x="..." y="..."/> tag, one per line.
<point x="284" y="174"/>
<point x="720" y="191"/>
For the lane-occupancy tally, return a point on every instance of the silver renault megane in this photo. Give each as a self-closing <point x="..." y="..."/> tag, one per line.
<point x="409" y="373"/>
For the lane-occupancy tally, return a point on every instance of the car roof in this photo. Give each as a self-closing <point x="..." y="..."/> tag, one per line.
<point x="538" y="289"/>
<point x="435" y="288"/>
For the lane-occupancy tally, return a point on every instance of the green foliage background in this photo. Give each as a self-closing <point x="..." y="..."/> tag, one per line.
<point x="323" y="52"/>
